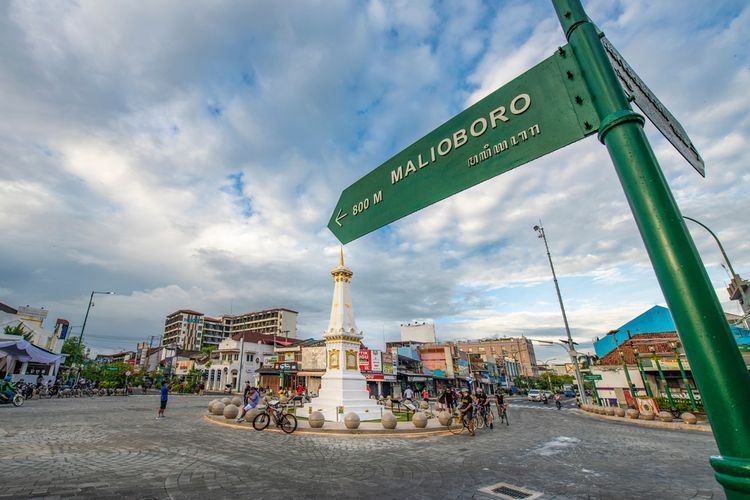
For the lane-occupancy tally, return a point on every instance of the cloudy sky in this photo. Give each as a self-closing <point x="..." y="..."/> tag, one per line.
<point x="189" y="155"/>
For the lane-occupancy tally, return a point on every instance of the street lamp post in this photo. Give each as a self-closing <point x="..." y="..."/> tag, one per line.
<point x="571" y="346"/>
<point x="83" y="328"/>
<point x="735" y="278"/>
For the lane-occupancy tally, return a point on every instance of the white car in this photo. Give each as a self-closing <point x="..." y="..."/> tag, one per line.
<point x="534" y="395"/>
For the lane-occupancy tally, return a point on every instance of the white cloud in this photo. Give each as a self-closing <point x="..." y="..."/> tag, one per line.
<point x="192" y="157"/>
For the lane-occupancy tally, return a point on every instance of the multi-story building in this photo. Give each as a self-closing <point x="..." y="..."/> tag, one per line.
<point x="184" y="328"/>
<point x="192" y="330"/>
<point x="282" y="322"/>
<point x="519" y="348"/>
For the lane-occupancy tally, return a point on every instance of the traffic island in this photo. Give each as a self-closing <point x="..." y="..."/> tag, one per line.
<point x="365" y="429"/>
<point x="678" y="425"/>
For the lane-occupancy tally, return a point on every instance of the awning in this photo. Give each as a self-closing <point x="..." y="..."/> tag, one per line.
<point x="24" y="351"/>
<point x="310" y="374"/>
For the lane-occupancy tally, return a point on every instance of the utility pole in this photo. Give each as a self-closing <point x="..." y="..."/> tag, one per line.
<point x="571" y="345"/>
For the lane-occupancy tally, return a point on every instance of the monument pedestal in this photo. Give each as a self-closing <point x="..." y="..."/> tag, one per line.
<point x="347" y="391"/>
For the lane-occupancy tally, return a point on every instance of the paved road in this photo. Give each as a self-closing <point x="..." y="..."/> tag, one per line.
<point x="113" y="447"/>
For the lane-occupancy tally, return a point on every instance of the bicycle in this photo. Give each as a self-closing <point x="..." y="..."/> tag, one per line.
<point x="281" y="418"/>
<point x="461" y="423"/>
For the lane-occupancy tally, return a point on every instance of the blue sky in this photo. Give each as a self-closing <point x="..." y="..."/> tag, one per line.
<point x="192" y="158"/>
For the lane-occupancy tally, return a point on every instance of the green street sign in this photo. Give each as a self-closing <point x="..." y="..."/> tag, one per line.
<point x="543" y="110"/>
<point x="592" y="376"/>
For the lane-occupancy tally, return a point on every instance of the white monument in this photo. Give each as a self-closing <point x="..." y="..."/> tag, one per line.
<point x="343" y="386"/>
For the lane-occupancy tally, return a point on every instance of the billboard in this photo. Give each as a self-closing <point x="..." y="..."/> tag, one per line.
<point x="365" y="364"/>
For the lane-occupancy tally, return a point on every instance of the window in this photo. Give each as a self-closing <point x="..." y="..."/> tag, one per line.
<point x="247" y="358"/>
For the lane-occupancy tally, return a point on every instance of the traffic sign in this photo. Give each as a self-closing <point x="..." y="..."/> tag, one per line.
<point x="543" y="110"/>
<point x="652" y="107"/>
<point x="592" y="376"/>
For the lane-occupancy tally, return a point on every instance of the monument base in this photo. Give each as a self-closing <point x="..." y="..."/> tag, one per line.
<point x="349" y="393"/>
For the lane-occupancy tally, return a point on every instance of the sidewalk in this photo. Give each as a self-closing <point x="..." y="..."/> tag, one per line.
<point x="403" y="429"/>
<point x="701" y="426"/>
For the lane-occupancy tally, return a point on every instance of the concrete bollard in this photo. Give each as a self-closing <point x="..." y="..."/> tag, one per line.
<point x="351" y="421"/>
<point x="218" y="408"/>
<point x="231" y="412"/>
<point x="316" y="420"/>
<point x="665" y="416"/>
<point x="445" y="418"/>
<point x="632" y="414"/>
<point x="620" y="412"/>
<point x="689" y="418"/>
<point x="388" y="420"/>
<point x="419" y="420"/>
<point x="647" y="415"/>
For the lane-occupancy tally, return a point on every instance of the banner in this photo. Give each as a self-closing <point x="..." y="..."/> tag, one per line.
<point x="365" y="364"/>
<point x="647" y="404"/>
<point x="376" y="365"/>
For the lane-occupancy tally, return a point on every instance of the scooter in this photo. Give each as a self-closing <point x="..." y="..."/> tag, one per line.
<point x="17" y="399"/>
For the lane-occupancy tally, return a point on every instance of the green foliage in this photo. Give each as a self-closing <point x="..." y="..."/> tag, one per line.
<point x="208" y="349"/>
<point x="682" y="404"/>
<point x="75" y="354"/>
<point x="18" y="330"/>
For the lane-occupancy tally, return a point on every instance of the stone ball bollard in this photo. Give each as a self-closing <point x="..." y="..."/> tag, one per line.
<point x="211" y="404"/>
<point x="231" y="412"/>
<point x="419" y="420"/>
<point x="632" y="414"/>
<point x="351" y="420"/>
<point x="316" y="420"/>
<point x="610" y="411"/>
<point x="665" y="416"/>
<point x="226" y="401"/>
<point x="218" y="408"/>
<point x="389" y="420"/>
<point x="689" y="418"/>
<point x="620" y="412"/>
<point x="647" y="415"/>
<point x="237" y="401"/>
<point x="445" y="418"/>
<point x="424" y="405"/>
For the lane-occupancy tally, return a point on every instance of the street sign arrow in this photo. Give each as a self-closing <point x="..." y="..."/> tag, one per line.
<point x="543" y="110"/>
<point x="652" y="107"/>
<point x="340" y="216"/>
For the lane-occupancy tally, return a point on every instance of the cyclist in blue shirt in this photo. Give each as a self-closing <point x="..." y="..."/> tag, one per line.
<point x="164" y="396"/>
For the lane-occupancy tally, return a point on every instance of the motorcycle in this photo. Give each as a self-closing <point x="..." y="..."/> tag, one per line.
<point x="17" y="399"/>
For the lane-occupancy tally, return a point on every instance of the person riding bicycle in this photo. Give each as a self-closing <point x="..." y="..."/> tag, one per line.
<point x="466" y="408"/>
<point x="483" y="405"/>
<point x="7" y="389"/>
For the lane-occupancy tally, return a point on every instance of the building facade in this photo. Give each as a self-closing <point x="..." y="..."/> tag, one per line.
<point x="192" y="330"/>
<point x="520" y="349"/>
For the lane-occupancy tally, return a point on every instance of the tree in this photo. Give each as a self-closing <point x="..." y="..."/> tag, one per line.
<point x="75" y="353"/>
<point x="208" y="349"/>
<point x="18" y="330"/>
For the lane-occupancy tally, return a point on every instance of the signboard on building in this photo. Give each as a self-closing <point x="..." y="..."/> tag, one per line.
<point x="270" y="359"/>
<point x="388" y="365"/>
<point x="365" y="364"/>
<point x="376" y="363"/>
<point x="285" y="366"/>
<point x="289" y="356"/>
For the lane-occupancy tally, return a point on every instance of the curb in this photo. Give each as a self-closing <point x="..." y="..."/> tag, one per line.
<point x="654" y="424"/>
<point x="397" y="433"/>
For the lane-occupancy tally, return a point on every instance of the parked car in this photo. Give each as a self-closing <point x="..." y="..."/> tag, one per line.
<point x="548" y="394"/>
<point x="534" y="395"/>
<point x="569" y="394"/>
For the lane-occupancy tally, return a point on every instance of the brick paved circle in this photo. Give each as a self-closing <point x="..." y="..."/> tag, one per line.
<point x="113" y="447"/>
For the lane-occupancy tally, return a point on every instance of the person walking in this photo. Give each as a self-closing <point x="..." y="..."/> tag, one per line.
<point x="425" y="394"/>
<point x="163" y="399"/>
<point x="502" y="410"/>
<point x="409" y="395"/>
<point x="450" y="401"/>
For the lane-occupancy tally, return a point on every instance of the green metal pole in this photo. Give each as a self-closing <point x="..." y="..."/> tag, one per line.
<point x="685" y="379"/>
<point x="715" y="360"/>
<point x="643" y="373"/>
<point x="664" y="383"/>
<point x="627" y="376"/>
